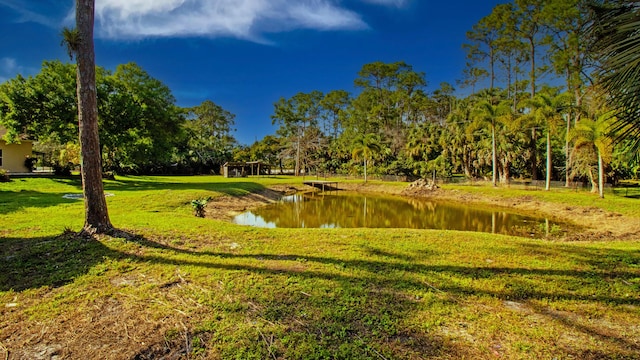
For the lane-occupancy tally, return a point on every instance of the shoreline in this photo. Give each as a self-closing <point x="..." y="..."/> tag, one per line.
<point x="597" y="224"/>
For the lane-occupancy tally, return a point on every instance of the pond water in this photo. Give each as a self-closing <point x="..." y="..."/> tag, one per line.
<point x="352" y="210"/>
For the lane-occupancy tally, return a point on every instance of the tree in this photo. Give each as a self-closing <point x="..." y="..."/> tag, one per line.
<point x="458" y="139"/>
<point x="391" y="96"/>
<point x="95" y="205"/>
<point x="486" y="111"/>
<point x="566" y="21"/>
<point x="615" y="31"/>
<point x="334" y="105"/>
<point x="268" y="149"/>
<point x="442" y="102"/>
<point x="44" y="106"/>
<point x="365" y="147"/>
<point x="590" y="137"/>
<point x="484" y="37"/>
<point x="547" y="109"/>
<point x="298" y="116"/>
<point x="209" y="133"/>
<point x="424" y="148"/>
<point x="472" y="75"/>
<point x="140" y="125"/>
<point x="530" y="28"/>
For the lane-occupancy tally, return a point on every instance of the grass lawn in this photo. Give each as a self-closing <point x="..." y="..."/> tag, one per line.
<point x="186" y="287"/>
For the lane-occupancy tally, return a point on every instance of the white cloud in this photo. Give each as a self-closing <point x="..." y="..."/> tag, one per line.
<point x="27" y="14"/>
<point x="9" y="68"/>
<point x="247" y="19"/>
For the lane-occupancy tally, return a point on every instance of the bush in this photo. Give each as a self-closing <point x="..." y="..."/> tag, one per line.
<point x="109" y="175"/>
<point x="199" y="206"/>
<point x="4" y="176"/>
<point x="30" y="163"/>
<point x="62" y="170"/>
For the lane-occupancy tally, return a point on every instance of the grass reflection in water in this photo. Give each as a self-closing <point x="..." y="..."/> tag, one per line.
<point x="352" y="210"/>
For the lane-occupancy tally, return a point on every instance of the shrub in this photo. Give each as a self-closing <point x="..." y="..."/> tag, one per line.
<point x="62" y="170"/>
<point x="199" y="206"/>
<point x="4" y="176"/>
<point x="29" y="163"/>
<point x="109" y="175"/>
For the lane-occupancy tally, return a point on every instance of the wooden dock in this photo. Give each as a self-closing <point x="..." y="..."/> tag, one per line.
<point x="322" y="184"/>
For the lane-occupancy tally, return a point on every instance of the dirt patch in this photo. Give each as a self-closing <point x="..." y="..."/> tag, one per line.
<point x="226" y="207"/>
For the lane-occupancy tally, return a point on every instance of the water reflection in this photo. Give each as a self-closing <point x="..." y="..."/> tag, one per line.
<point x="351" y="210"/>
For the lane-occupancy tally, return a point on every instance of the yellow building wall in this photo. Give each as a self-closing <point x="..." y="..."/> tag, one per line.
<point x="13" y="156"/>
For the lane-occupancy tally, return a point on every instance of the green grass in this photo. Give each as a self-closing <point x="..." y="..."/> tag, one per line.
<point x="200" y="288"/>
<point x="617" y="200"/>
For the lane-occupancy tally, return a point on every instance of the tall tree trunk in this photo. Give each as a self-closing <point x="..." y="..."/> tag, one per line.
<point x="492" y="62"/>
<point x="548" y="179"/>
<point x="567" y="181"/>
<point x="95" y="205"/>
<point x="534" y="156"/>
<point x="466" y="164"/>
<point x="533" y="66"/>
<point x="365" y="169"/>
<point x="600" y="175"/>
<point x="566" y="138"/>
<point x="506" y="172"/>
<point x="594" y="182"/>
<point x="297" y="166"/>
<point x="493" y="154"/>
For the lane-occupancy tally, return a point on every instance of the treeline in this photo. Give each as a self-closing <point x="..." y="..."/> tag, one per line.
<point x="535" y="110"/>
<point x="142" y="130"/>
<point x="394" y="126"/>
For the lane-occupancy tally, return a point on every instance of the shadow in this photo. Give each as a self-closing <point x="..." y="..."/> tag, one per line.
<point x="28" y="263"/>
<point x="568" y="321"/>
<point x="361" y="301"/>
<point x="603" y="260"/>
<point x="366" y="320"/>
<point x="12" y="201"/>
<point x="371" y="251"/>
<point x="162" y="183"/>
<point x="168" y="183"/>
<point x="442" y="279"/>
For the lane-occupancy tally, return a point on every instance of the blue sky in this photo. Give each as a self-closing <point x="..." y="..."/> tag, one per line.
<point x="246" y="54"/>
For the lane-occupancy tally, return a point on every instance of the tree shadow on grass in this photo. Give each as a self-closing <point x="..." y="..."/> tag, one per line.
<point x="227" y="187"/>
<point x="521" y="284"/>
<point x="365" y="299"/>
<point x="351" y="322"/>
<point x="12" y="201"/>
<point x="161" y="184"/>
<point x="27" y="263"/>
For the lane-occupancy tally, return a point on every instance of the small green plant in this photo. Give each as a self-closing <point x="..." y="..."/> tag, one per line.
<point x="199" y="206"/>
<point x="4" y="176"/>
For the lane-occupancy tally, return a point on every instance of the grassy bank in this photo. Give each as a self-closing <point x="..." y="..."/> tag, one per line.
<point x="203" y="288"/>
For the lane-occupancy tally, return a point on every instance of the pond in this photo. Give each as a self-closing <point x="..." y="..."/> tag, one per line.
<point x="353" y="210"/>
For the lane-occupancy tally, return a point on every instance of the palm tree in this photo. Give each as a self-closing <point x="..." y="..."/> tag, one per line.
<point x="590" y="137"/>
<point x="457" y="139"/>
<point x="616" y="32"/>
<point x="364" y="148"/>
<point x="547" y="109"/>
<point x="488" y="111"/>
